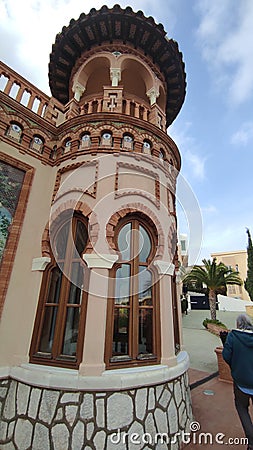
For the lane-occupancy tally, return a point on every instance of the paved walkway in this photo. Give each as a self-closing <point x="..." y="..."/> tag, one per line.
<point x="212" y="399"/>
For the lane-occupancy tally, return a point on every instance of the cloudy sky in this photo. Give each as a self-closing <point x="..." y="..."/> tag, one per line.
<point x="214" y="130"/>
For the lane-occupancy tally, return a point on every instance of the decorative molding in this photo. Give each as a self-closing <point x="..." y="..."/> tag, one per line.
<point x="100" y="261"/>
<point x="164" y="267"/>
<point x="138" y="170"/>
<point x="92" y="192"/>
<point x="39" y="264"/>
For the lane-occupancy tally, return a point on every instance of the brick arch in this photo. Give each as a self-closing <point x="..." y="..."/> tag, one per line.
<point x="18" y="119"/>
<point x="65" y="209"/>
<point x="143" y="211"/>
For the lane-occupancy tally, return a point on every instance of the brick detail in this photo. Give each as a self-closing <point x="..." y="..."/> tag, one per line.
<point x="68" y="208"/>
<point x="145" y="213"/>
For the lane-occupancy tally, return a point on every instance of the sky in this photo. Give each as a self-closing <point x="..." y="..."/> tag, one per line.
<point x="214" y="129"/>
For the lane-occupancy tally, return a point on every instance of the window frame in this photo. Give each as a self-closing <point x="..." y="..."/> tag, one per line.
<point x="111" y="361"/>
<point x="56" y="358"/>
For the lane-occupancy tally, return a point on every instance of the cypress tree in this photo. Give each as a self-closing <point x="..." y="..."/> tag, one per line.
<point x="249" y="280"/>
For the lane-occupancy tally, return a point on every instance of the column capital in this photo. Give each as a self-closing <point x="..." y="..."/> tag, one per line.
<point x="100" y="261"/>
<point x="153" y="93"/>
<point x="115" y="75"/>
<point x="164" y="267"/>
<point x="78" y="90"/>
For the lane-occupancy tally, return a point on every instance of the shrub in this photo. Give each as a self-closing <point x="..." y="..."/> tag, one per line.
<point x="215" y="322"/>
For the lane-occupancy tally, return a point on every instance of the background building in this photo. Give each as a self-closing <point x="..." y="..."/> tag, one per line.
<point x="236" y="260"/>
<point x="90" y="337"/>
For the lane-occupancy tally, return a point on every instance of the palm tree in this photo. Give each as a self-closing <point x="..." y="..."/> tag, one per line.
<point x="215" y="277"/>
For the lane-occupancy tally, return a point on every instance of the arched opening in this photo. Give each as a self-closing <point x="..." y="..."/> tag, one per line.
<point x="60" y="320"/>
<point x="133" y="326"/>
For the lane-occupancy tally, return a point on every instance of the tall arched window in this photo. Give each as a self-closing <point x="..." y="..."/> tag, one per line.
<point x="60" y="321"/>
<point x="133" y="333"/>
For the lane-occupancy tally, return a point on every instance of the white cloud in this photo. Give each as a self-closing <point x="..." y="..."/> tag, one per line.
<point x="28" y="30"/>
<point x="244" y="135"/>
<point x="225" y="34"/>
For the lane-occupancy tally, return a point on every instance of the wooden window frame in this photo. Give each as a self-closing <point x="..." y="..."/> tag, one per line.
<point x="113" y="362"/>
<point x="55" y="358"/>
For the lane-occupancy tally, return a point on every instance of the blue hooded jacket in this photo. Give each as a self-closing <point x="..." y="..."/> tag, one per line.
<point x="238" y="353"/>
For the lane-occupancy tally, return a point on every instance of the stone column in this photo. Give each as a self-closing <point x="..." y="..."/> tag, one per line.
<point x="94" y="339"/>
<point x="165" y="271"/>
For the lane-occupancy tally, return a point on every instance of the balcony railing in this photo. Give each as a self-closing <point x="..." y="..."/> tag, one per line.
<point x="25" y="93"/>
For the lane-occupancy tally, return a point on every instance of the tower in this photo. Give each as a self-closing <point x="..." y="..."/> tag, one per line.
<point x="92" y="233"/>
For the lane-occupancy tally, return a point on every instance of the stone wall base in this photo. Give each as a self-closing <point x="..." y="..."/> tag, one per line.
<point x="39" y="418"/>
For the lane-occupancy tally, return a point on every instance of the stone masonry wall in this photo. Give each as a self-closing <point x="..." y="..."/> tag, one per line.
<point x="41" y="419"/>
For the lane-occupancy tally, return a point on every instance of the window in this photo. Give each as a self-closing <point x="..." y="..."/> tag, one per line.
<point x="67" y="146"/>
<point x="59" y="325"/>
<point x="146" y="147"/>
<point x="106" y="138"/>
<point x="133" y="328"/>
<point x="15" y="131"/>
<point x="37" y="144"/>
<point x="127" y="142"/>
<point x="85" y="140"/>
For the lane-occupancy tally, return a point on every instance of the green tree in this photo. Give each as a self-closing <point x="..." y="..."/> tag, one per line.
<point x="249" y="280"/>
<point x="215" y="278"/>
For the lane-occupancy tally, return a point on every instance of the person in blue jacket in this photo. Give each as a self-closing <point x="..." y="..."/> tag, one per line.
<point x="238" y="353"/>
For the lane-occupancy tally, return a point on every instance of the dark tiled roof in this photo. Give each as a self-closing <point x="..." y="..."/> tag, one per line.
<point x="117" y="25"/>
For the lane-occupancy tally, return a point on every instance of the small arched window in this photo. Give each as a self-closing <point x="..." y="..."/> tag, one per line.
<point x="162" y="155"/>
<point x="133" y="317"/>
<point x="60" y="321"/>
<point x="146" y="147"/>
<point x="67" y="145"/>
<point x="37" y="144"/>
<point x="15" y="131"/>
<point x="85" y="140"/>
<point x="127" y="141"/>
<point x="106" y="138"/>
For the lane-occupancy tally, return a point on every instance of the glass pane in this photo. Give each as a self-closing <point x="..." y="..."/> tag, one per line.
<point x="54" y="286"/>
<point x="122" y="289"/>
<point x="144" y="244"/>
<point x="81" y="237"/>
<point x="77" y="280"/>
<point x="71" y="332"/>
<point x="124" y="242"/>
<point x="48" y="329"/>
<point x="61" y="241"/>
<point x="146" y="331"/>
<point x="121" y="331"/>
<point x="145" y="286"/>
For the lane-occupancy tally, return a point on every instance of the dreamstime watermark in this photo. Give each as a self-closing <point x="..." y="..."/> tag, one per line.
<point x="194" y="436"/>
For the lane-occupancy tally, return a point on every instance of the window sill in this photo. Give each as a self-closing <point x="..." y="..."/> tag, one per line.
<point x="110" y="380"/>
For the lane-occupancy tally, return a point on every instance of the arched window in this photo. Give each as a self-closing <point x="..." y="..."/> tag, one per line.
<point x="37" y="144"/>
<point x="60" y="321"/>
<point x="106" y="138"/>
<point x="127" y="141"/>
<point x="133" y="336"/>
<point x="146" y="147"/>
<point x="85" y="140"/>
<point x="15" y="131"/>
<point x="67" y="145"/>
